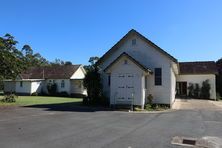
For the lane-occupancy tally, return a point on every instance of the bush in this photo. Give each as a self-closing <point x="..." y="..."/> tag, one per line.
<point x="205" y="90"/>
<point x="34" y="94"/>
<point x="52" y="88"/>
<point x="9" y="98"/>
<point x="191" y="90"/>
<point x="218" y="97"/>
<point x="63" y="94"/>
<point x="219" y="84"/>
<point x="196" y="91"/>
<point x="92" y="82"/>
<point x="149" y="99"/>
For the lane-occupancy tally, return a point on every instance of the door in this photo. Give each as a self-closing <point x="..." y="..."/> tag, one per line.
<point x="125" y="87"/>
<point x="182" y="88"/>
<point x="129" y="87"/>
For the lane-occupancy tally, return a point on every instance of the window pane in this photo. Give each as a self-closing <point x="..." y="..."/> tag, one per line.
<point x="109" y="79"/>
<point x="158" y="76"/>
<point x="145" y="82"/>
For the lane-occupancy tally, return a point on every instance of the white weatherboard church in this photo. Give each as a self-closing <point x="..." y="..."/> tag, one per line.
<point x="135" y="67"/>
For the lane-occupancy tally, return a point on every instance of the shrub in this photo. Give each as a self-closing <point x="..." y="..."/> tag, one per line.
<point x="218" y="97"/>
<point x="149" y="99"/>
<point x="191" y="90"/>
<point x="9" y="98"/>
<point x="34" y="94"/>
<point x="219" y="83"/>
<point x="92" y="82"/>
<point x="52" y="88"/>
<point x="196" y="91"/>
<point x="205" y="90"/>
<point x="63" y="94"/>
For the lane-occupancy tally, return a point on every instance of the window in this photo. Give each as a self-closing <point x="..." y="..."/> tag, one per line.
<point x="145" y="82"/>
<point x="109" y="80"/>
<point x="21" y="84"/>
<point x="125" y="62"/>
<point x="62" y="84"/>
<point x="134" y="42"/>
<point x="158" y="76"/>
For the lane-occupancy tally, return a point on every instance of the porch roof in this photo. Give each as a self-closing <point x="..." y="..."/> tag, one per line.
<point x="143" y="67"/>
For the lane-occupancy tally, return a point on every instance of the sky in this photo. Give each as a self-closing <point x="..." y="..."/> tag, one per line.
<point x="75" y="30"/>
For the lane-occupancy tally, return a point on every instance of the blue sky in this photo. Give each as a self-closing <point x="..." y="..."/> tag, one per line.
<point x="74" y="30"/>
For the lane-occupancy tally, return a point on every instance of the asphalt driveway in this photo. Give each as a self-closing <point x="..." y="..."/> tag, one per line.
<point x="50" y="127"/>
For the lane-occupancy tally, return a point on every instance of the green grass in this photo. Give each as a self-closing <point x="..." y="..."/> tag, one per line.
<point x="36" y="100"/>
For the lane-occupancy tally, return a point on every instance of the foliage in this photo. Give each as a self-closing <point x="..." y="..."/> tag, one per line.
<point x="92" y="83"/>
<point x="14" y="61"/>
<point x="205" y="90"/>
<point x="219" y="77"/>
<point x="63" y="94"/>
<point x="11" y="63"/>
<point x="52" y="89"/>
<point x="9" y="98"/>
<point x="218" y="97"/>
<point x="191" y="90"/>
<point x="156" y="107"/>
<point x="60" y="62"/>
<point x="1" y="85"/>
<point x="34" y="94"/>
<point x="196" y="91"/>
<point x="149" y="99"/>
<point x="32" y="59"/>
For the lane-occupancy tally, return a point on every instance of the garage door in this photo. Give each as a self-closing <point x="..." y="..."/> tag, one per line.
<point x="125" y="87"/>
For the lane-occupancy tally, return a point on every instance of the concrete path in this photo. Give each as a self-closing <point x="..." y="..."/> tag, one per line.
<point x="196" y="104"/>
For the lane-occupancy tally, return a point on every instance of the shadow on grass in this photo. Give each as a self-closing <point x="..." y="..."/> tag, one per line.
<point x="69" y="107"/>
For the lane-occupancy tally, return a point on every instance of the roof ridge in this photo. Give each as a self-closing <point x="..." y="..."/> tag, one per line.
<point x="198" y="62"/>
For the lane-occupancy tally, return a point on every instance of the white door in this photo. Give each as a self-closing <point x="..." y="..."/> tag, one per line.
<point x="125" y="87"/>
<point x="129" y="87"/>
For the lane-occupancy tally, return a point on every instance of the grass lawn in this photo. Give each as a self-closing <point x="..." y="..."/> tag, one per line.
<point x="36" y="100"/>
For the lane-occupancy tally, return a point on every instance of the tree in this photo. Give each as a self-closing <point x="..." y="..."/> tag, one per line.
<point x="68" y="63"/>
<point x="14" y="61"/>
<point x="191" y="90"/>
<point x="92" y="82"/>
<point x="196" y="91"/>
<point x="205" y="90"/>
<point x="219" y="77"/>
<point x="11" y="63"/>
<point x="32" y="59"/>
<point x="57" y="62"/>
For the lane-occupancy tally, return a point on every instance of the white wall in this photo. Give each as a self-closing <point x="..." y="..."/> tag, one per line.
<point x="79" y="74"/>
<point x="199" y="79"/>
<point x="76" y="87"/>
<point x="173" y="86"/>
<point x="36" y="87"/>
<point x="26" y="87"/>
<point x="149" y="56"/>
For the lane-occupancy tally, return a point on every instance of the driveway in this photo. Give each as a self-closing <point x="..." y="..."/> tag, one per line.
<point x="51" y="127"/>
<point x="196" y="104"/>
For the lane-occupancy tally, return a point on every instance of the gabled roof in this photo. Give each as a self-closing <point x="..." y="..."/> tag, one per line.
<point x="201" y="67"/>
<point x="50" y="72"/>
<point x="130" y="33"/>
<point x="143" y="67"/>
